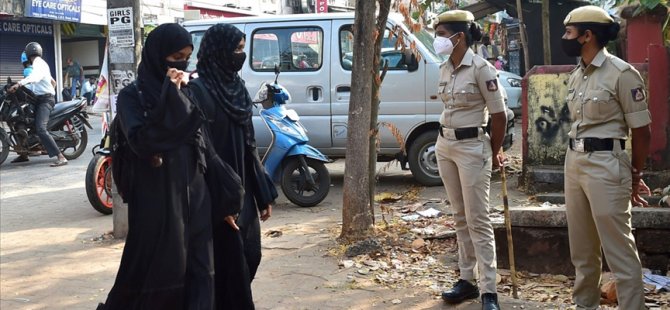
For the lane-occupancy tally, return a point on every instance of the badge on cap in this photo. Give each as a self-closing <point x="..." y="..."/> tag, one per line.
<point x="638" y="94"/>
<point x="492" y="85"/>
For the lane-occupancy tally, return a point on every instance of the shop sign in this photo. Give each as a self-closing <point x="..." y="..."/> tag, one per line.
<point x="65" y="10"/>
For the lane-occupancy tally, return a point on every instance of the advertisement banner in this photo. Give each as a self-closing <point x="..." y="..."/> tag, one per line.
<point x="102" y="100"/>
<point x="65" y="10"/>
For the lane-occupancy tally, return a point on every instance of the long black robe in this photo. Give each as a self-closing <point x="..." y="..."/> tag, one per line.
<point x="167" y="261"/>
<point x="237" y="255"/>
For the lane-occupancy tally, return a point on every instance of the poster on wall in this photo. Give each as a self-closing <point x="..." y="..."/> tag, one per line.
<point x="65" y="10"/>
<point x="120" y="23"/>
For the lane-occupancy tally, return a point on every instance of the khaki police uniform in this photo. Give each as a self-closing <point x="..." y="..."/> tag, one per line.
<point x="605" y="99"/>
<point x="469" y="92"/>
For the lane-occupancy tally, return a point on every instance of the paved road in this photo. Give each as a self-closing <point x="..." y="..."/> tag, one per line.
<point x="51" y="256"/>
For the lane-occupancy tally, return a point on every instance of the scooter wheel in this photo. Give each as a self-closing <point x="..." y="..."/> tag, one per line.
<point x="99" y="183"/>
<point x="295" y="185"/>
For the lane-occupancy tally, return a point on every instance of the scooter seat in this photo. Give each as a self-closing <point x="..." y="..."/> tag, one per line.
<point x="61" y="107"/>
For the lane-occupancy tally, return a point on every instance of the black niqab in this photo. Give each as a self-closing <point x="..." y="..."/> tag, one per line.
<point x="215" y="68"/>
<point x="153" y="68"/>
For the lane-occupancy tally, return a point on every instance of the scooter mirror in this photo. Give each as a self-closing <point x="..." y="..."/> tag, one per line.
<point x="276" y="73"/>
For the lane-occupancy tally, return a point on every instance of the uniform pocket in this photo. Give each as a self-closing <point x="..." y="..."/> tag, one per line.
<point x="467" y="94"/>
<point x="625" y="169"/>
<point x="598" y="105"/>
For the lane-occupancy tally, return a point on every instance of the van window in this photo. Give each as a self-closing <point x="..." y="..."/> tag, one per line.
<point x="395" y="58"/>
<point x="292" y="49"/>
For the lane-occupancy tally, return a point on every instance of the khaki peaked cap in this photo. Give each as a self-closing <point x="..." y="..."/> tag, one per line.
<point x="588" y="14"/>
<point x="453" y="16"/>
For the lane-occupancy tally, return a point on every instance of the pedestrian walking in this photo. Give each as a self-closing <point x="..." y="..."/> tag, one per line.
<point x="606" y="98"/>
<point x="466" y="154"/>
<point x="75" y="73"/>
<point x="169" y="180"/>
<point x="42" y="87"/>
<point x="221" y="93"/>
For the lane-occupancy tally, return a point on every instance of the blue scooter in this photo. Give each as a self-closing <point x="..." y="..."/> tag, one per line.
<point x="298" y="167"/>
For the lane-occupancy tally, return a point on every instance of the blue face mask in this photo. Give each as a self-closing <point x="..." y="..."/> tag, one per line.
<point x="27" y="71"/>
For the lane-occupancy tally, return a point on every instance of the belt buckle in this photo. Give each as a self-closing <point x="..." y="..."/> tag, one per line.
<point x="449" y="133"/>
<point x="578" y="145"/>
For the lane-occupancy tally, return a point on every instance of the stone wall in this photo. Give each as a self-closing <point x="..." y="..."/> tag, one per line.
<point x="541" y="242"/>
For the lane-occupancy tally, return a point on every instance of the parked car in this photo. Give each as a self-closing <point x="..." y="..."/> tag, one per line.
<point x="321" y="91"/>
<point x="512" y="85"/>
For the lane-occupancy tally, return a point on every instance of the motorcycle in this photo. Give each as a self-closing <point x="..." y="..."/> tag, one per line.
<point x="98" y="178"/>
<point x="298" y="167"/>
<point x="67" y="124"/>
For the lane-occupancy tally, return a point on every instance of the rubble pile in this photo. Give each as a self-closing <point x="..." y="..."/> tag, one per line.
<point x="418" y="249"/>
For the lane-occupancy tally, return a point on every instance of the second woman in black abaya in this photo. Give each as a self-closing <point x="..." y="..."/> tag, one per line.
<point x="227" y="104"/>
<point x="172" y="180"/>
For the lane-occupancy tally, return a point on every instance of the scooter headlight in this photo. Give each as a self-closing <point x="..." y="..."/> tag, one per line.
<point x="283" y="127"/>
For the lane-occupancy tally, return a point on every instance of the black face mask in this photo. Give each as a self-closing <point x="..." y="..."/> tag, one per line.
<point x="237" y="61"/>
<point x="572" y="47"/>
<point x="179" y="65"/>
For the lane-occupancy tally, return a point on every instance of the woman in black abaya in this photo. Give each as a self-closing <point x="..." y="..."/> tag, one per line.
<point x="168" y="176"/>
<point x="221" y="93"/>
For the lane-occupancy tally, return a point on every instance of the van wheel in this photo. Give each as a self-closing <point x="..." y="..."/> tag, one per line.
<point x="423" y="160"/>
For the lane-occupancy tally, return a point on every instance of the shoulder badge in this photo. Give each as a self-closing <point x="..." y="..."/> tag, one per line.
<point x="638" y="94"/>
<point x="492" y="85"/>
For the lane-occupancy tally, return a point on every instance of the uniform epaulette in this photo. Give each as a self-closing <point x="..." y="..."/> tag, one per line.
<point x="480" y="62"/>
<point x="620" y="64"/>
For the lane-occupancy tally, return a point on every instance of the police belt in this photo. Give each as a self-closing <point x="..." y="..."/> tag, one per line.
<point x="459" y="133"/>
<point x="588" y="145"/>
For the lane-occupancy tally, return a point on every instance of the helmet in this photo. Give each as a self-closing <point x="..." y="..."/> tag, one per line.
<point x="24" y="58"/>
<point x="33" y="49"/>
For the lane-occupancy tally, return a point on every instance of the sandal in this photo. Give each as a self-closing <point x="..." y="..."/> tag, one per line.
<point x="20" y="159"/>
<point x="59" y="162"/>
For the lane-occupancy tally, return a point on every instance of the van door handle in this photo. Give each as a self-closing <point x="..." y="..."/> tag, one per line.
<point x="343" y="89"/>
<point x="316" y="94"/>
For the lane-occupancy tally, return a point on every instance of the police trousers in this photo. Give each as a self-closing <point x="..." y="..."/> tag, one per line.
<point x="597" y="201"/>
<point x="465" y="169"/>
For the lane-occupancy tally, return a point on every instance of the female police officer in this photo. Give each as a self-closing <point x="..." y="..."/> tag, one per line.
<point x="465" y="153"/>
<point x="606" y="97"/>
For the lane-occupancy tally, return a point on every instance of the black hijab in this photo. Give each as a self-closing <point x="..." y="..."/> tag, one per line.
<point x="216" y="71"/>
<point x="164" y="40"/>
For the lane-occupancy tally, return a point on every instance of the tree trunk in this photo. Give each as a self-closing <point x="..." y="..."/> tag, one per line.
<point x="546" y="33"/>
<point x="522" y="33"/>
<point x="384" y="8"/>
<point x="356" y="216"/>
<point x="123" y="60"/>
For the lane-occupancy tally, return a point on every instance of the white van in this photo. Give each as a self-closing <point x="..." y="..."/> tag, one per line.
<point x="314" y="54"/>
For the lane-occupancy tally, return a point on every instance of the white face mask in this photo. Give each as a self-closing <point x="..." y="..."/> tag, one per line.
<point x="443" y="46"/>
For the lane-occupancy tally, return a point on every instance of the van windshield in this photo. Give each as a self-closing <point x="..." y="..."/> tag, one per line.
<point x="427" y="40"/>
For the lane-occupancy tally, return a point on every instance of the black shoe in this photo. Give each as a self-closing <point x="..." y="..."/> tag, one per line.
<point x="490" y="301"/>
<point x="461" y="291"/>
<point x="20" y="159"/>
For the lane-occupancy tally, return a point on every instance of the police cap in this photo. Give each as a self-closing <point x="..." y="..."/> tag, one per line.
<point x="453" y="16"/>
<point x="588" y="14"/>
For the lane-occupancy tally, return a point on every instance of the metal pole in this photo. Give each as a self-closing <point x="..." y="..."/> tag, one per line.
<point x="508" y="226"/>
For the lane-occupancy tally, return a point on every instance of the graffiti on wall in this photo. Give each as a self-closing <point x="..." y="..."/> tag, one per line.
<point x="549" y="119"/>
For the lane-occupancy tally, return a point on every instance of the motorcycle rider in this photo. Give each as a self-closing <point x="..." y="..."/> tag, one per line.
<point x="41" y="79"/>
